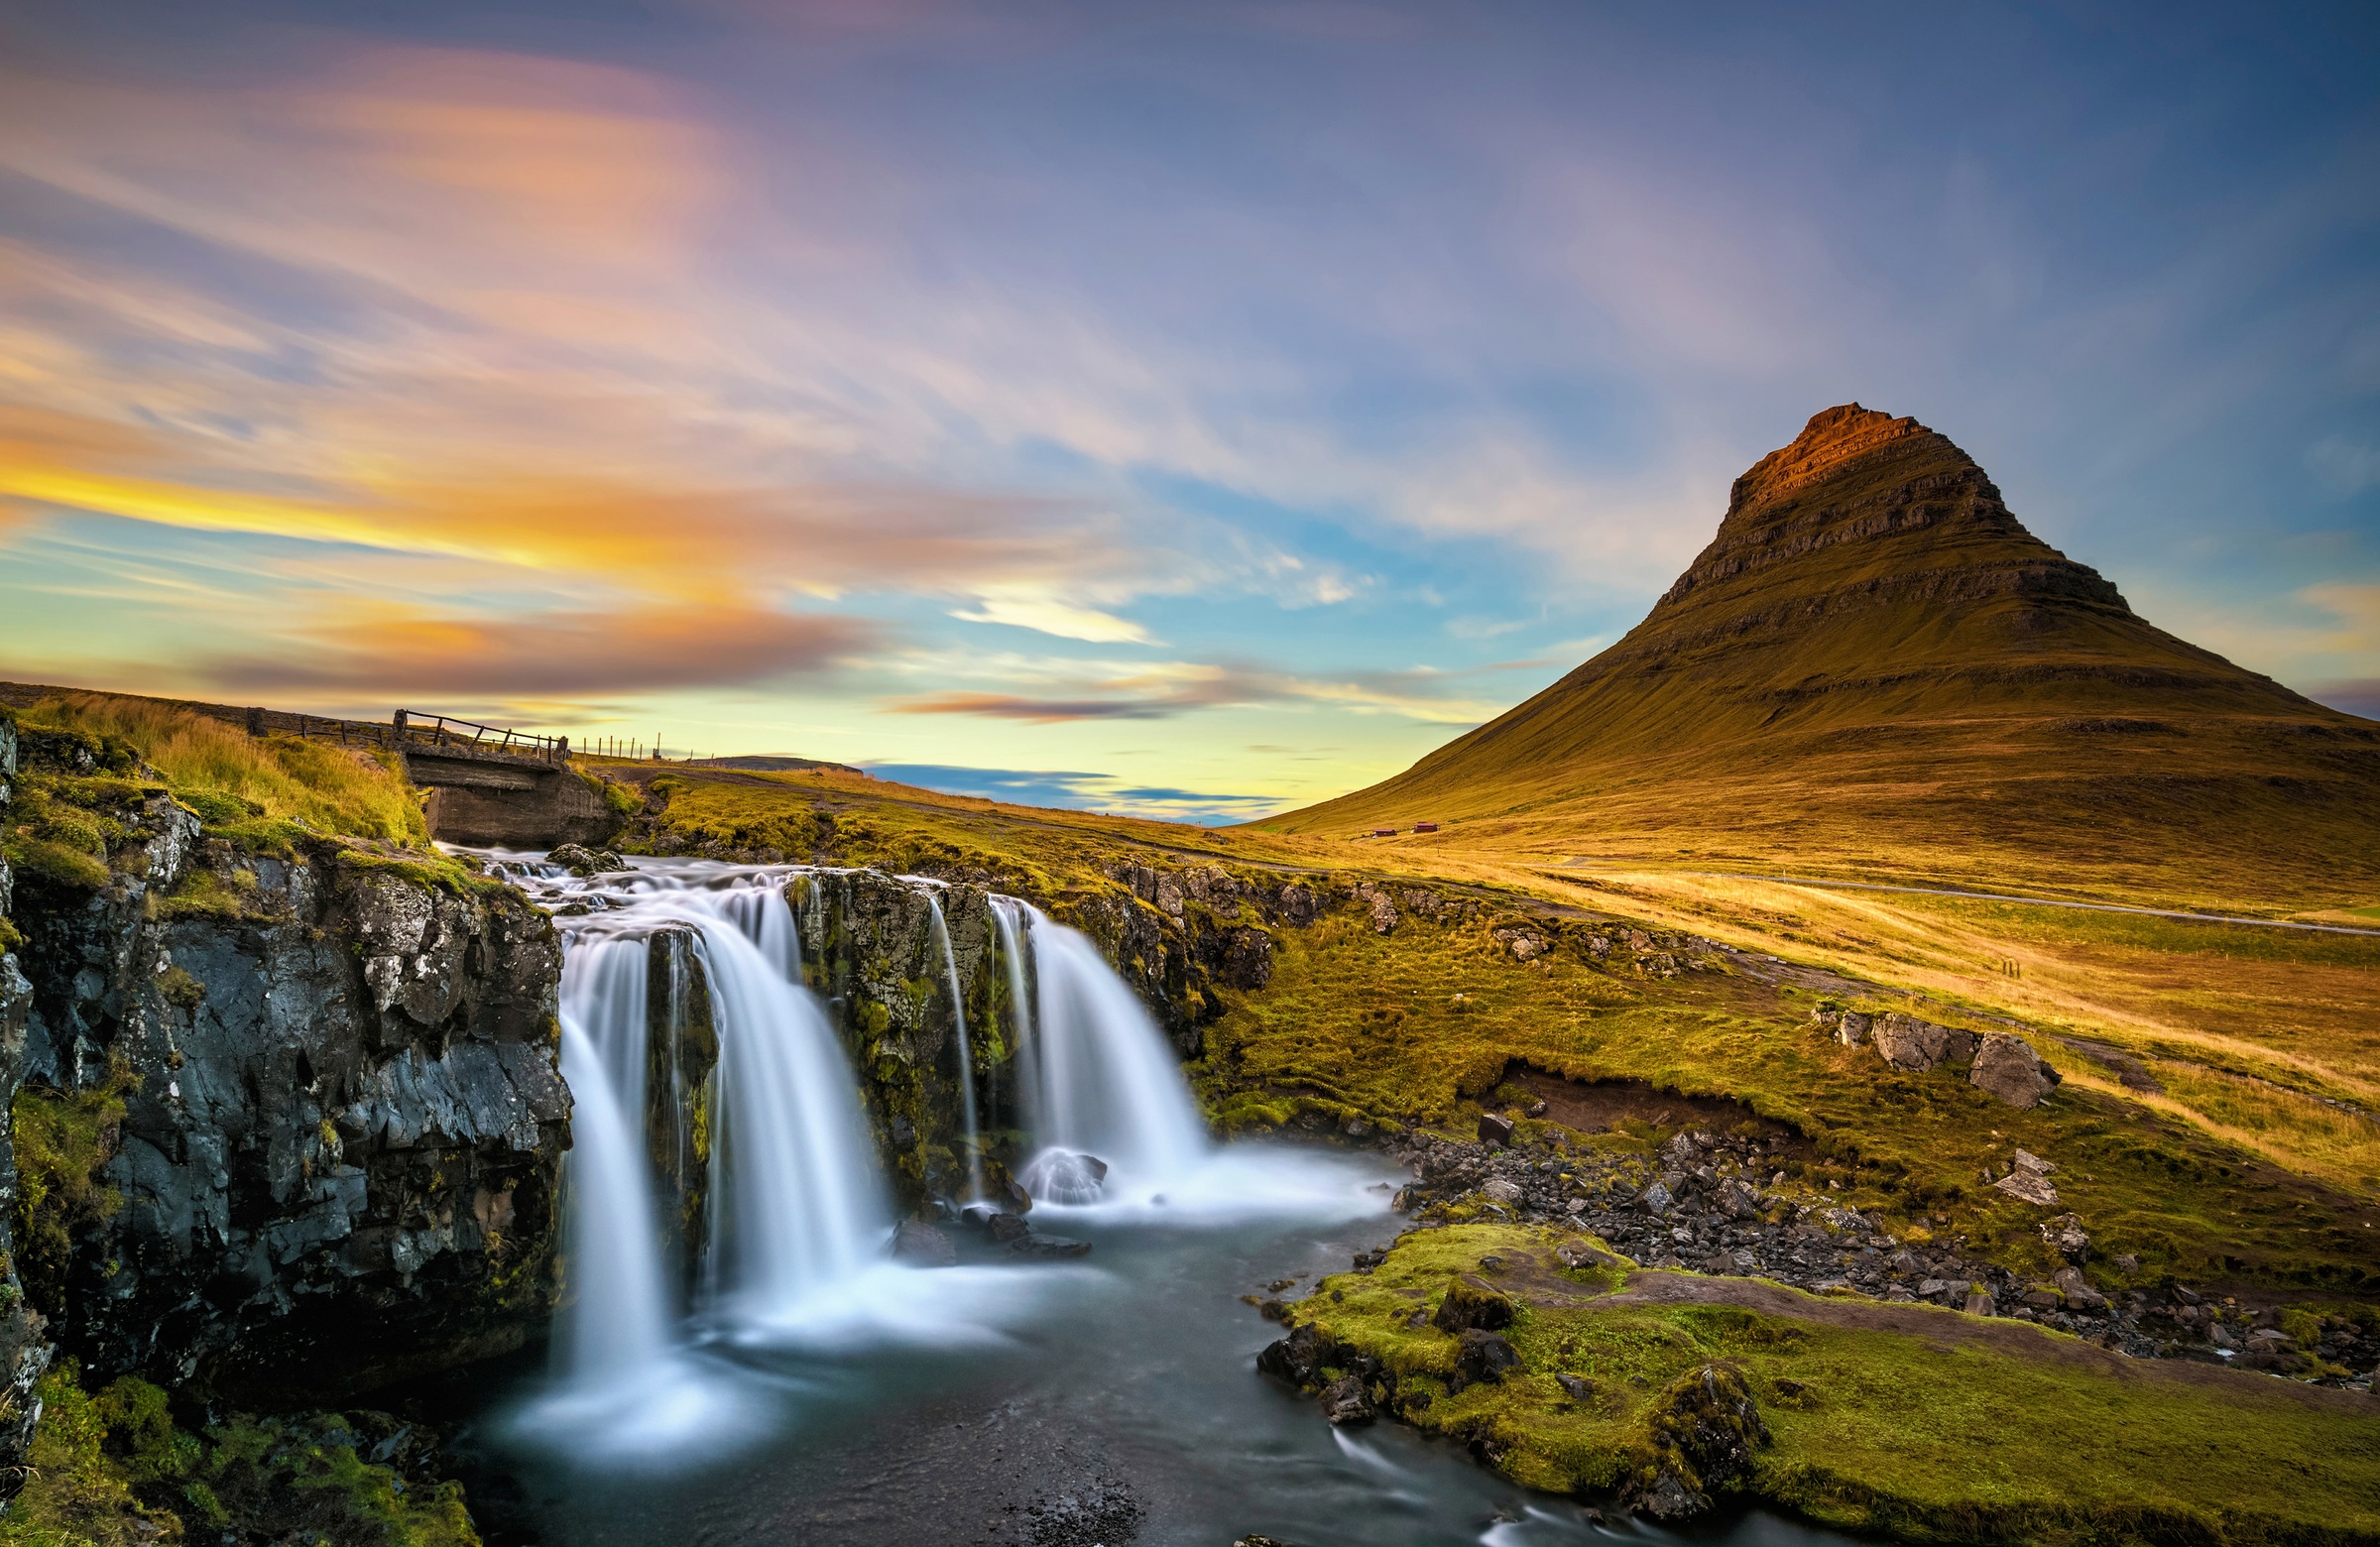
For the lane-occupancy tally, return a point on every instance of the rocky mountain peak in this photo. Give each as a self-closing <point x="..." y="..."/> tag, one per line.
<point x="1864" y="499"/>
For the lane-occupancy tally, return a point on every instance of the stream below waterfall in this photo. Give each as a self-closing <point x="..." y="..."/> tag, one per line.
<point x="818" y="1392"/>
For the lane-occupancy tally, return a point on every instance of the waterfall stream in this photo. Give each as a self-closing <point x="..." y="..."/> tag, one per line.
<point x="1102" y="1085"/>
<point x="972" y="1136"/>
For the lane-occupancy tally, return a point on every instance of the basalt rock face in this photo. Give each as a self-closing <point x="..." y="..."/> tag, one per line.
<point x="23" y="1343"/>
<point x="870" y="949"/>
<point x="327" y="1102"/>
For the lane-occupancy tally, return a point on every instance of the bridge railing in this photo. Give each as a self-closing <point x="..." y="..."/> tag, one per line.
<point x="411" y="728"/>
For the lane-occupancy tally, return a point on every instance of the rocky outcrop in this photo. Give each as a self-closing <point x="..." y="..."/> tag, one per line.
<point x="322" y="1089"/>
<point x="2000" y="1063"/>
<point x="23" y="1343"/>
<point x="1697" y="1439"/>
<point x="681" y="1050"/>
<point x="870" y="949"/>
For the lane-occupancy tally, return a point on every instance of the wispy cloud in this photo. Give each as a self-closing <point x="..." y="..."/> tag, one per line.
<point x="554" y="655"/>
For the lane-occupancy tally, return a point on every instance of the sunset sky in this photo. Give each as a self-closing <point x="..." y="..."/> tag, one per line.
<point x="1195" y="408"/>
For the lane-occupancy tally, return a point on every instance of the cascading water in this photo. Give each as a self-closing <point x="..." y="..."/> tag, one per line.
<point x="1101" y="1085"/>
<point x="801" y="1203"/>
<point x="973" y="1136"/>
<point x="617" y="1330"/>
<point x="795" y="1201"/>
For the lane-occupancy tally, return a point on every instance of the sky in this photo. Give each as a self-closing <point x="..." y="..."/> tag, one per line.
<point x="1193" y="410"/>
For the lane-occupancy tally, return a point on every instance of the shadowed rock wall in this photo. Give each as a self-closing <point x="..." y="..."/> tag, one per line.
<point x="323" y="1098"/>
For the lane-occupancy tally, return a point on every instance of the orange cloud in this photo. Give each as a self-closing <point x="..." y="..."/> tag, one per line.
<point x="558" y="654"/>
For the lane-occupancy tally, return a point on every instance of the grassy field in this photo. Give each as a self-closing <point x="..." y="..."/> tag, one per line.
<point x="1912" y="1420"/>
<point x="2224" y="1177"/>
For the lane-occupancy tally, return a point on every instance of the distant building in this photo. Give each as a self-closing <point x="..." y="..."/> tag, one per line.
<point x="1383" y="832"/>
<point x="1425" y="827"/>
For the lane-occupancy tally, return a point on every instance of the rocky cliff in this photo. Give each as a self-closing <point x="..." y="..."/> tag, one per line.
<point x="283" y="1122"/>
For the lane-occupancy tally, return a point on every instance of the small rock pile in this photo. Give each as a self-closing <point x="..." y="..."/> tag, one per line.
<point x="2003" y="1064"/>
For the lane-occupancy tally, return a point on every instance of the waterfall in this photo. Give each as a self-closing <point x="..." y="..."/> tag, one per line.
<point x="615" y="1329"/>
<point x="795" y="1199"/>
<point x="1102" y="1083"/>
<point x="800" y="1204"/>
<point x="1006" y="913"/>
<point x="973" y="1138"/>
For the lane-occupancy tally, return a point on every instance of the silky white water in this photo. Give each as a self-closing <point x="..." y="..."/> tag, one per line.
<point x="1101" y="1081"/>
<point x="972" y="1132"/>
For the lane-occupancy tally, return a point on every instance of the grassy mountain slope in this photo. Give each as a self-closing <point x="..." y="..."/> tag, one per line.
<point x="1874" y="664"/>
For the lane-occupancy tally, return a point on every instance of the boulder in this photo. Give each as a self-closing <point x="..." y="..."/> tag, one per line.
<point x="2008" y="1068"/>
<point x="1577" y="1388"/>
<point x="580" y="860"/>
<point x="1483" y="1358"/>
<point x="1852" y="1027"/>
<point x="1344" y="1401"/>
<point x="1701" y="1432"/>
<point x="1916" y="1046"/>
<point x="1065" y="1176"/>
<point x="1297" y="1358"/>
<point x="1033" y="1244"/>
<point x="2030" y="1186"/>
<point x="1494" y="1130"/>
<point x="1501" y="1191"/>
<point x="1468" y="1304"/>
<point x="2066" y="1235"/>
<point x="1980" y="1303"/>
<point x="920" y="1245"/>
<point x="1656" y="1199"/>
<point x="1006" y="1226"/>
<point x="2080" y="1295"/>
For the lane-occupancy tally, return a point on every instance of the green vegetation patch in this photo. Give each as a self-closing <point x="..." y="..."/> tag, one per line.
<point x="63" y="1141"/>
<point x="263" y="789"/>
<point x="111" y="1469"/>
<point x="1913" y="1421"/>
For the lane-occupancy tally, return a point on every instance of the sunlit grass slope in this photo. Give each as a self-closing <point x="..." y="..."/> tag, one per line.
<point x="1874" y="667"/>
<point x="230" y="774"/>
<point x="2267" y="1184"/>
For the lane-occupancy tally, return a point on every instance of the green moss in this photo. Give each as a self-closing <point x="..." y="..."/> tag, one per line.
<point x="114" y="1470"/>
<point x="180" y="988"/>
<point x="1942" y="1434"/>
<point x="63" y="1139"/>
<point x="10" y="939"/>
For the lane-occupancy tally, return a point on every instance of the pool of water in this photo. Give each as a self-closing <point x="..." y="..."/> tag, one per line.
<point x="1113" y="1399"/>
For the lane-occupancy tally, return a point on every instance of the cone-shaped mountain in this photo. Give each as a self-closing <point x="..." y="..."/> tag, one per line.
<point x="1874" y="661"/>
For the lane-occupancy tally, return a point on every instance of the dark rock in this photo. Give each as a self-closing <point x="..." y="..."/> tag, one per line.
<point x="346" y="1117"/>
<point x="1344" y="1401"/>
<point x="1297" y="1358"/>
<point x="919" y="1244"/>
<point x="1702" y="1431"/>
<point x="1036" y="1245"/>
<point x="1006" y="1226"/>
<point x="1482" y="1357"/>
<point x="580" y="860"/>
<point x="1494" y="1130"/>
<point x="1064" y="1177"/>
<point x="1577" y="1388"/>
<point x="1469" y="1303"/>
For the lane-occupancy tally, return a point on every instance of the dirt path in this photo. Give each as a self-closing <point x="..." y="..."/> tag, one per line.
<point x="1540" y="1280"/>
